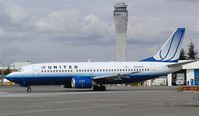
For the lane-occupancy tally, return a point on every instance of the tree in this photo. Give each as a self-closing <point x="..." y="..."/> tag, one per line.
<point x="192" y="54"/>
<point x="7" y="71"/>
<point x="182" y="55"/>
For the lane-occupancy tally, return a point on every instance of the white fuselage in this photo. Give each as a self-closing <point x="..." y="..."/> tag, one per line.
<point x="59" y="73"/>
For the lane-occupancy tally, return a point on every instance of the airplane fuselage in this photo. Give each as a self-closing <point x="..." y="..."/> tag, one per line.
<point x="95" y="74"/>
<point x="62" y="73"/>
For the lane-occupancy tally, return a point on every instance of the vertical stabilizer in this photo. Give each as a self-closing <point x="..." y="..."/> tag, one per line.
<point x="170" y="51"/>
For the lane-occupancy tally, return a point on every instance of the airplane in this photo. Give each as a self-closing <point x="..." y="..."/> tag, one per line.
<point x="96" y="75"/>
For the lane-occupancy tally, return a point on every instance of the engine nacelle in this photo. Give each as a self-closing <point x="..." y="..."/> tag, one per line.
<point x="81" y="82"/>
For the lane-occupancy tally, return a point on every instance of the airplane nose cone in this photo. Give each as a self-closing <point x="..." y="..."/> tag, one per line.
<point x="10" y="76"/>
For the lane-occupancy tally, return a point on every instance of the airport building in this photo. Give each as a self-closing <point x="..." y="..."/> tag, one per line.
<point x="120" y="19"/>
<point x="189" y="75"/>
<point x="17" y="65"/>
<point x="13" y="67"/>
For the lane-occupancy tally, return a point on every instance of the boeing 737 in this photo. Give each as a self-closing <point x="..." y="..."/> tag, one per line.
<point x="97" y="74"/>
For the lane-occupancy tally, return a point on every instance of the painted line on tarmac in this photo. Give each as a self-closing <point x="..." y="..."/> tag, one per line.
<point x="34" y="94"/>
<point x="63" y="109"/>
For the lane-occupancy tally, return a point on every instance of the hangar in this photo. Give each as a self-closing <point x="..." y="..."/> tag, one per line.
<point x="189" y="75"/>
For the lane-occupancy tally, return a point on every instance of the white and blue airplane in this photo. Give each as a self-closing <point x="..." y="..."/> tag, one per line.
<point x="96" y="74"/>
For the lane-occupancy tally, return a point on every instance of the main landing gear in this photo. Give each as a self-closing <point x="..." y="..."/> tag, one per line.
<point x="99" y="88"/>
<point x="29" y="89"/>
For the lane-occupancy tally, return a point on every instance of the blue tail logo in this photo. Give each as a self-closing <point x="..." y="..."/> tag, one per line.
<point x="170" y="51"/>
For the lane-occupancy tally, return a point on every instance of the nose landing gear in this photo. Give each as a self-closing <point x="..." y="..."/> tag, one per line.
<point x="29" y="89"/>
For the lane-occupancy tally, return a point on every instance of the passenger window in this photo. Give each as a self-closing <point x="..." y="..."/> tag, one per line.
<point x="70" y="67"/>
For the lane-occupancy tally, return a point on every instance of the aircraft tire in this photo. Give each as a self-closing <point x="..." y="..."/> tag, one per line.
<point x="96" y="88"/>
<point x="102" y="88"/>
<point x="29" y="89"/>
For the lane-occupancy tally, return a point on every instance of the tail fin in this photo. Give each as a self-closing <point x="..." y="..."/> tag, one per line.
<point x="170" y="51"/>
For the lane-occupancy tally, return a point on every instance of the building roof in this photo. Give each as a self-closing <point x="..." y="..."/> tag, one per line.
<point x="17" y="65"/>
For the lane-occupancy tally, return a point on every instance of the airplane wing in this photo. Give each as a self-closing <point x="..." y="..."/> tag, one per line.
<point x="114" y="76"/>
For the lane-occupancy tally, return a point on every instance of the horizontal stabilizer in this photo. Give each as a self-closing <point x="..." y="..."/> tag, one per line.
<point x="181" y="63"/>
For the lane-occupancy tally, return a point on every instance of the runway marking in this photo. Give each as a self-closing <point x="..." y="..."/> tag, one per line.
<point x="75" y="101"/>
<point x="7" y="94"/>
<point x="63" y="109"/>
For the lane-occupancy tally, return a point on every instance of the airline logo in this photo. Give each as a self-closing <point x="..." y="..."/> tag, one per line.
<point x="171" y="49"/>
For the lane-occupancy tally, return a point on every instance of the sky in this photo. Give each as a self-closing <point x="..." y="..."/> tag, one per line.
<point x="82" y="30"/>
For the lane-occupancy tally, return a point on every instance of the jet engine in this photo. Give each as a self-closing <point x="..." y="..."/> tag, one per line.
<point x="81" y="82"/>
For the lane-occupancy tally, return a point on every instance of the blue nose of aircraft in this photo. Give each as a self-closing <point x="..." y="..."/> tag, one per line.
<point x="11" y="76"/>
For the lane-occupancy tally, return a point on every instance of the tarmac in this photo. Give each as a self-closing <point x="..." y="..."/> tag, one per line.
<point x="116" y="101"/>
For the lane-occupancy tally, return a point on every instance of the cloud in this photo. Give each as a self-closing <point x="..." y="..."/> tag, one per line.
<point x="76" y="31"/>
<point x="72" y="24"/>
<point x="143" y="27"/>
<point x="150" y="29"/>
<point x="13" y="17"/>
<point x="184" y="1"/>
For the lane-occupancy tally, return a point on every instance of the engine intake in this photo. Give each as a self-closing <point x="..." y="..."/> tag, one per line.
<point x="82" y="82"/>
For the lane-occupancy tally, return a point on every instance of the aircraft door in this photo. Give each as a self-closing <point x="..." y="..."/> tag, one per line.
<point x="153" y="69"/>
<point x="35" y="70"/>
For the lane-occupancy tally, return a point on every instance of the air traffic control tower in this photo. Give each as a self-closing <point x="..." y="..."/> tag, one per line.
<point x="120" y="18"/>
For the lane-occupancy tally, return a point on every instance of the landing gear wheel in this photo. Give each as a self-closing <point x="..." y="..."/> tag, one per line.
<point x="102" y="88"/>
<point x="29" y="89"/>
<point x="99" y="88"/>
<point x="96" y="88"/>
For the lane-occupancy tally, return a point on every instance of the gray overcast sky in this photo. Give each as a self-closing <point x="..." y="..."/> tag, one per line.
<point x="78" y="30"/>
